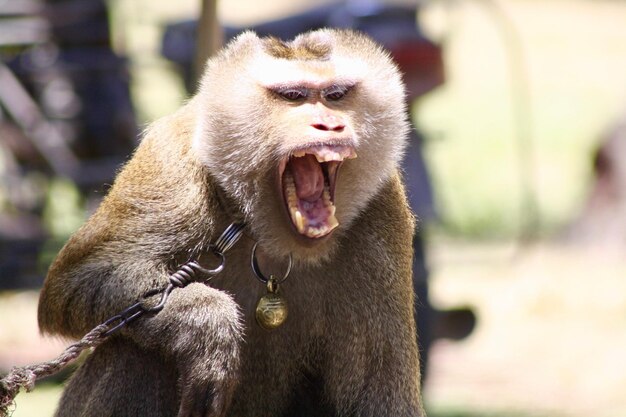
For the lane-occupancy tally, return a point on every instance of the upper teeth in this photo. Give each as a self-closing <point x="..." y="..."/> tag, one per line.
<point x="327" y="153"/>
<point x="300" y="210"/>
<point x="330" y="156"/>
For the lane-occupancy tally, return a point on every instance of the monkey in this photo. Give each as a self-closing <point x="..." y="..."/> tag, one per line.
<point x="300" y="140"/>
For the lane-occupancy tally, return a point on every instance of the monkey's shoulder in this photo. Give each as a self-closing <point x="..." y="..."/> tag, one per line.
<point x="389" y="208"/>
<point x="155" y="193"/>
<point x="163" y="169"/>
<point x="164" y="147"/>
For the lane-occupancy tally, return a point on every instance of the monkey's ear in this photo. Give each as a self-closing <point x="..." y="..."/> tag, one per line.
<point x="243" y="47"/>
<point x="244" y="42"/>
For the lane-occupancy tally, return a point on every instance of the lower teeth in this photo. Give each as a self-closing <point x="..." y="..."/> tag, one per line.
<point x="299" y="220"/>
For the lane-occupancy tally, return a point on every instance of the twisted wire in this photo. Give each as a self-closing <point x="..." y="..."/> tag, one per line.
<point x="25" y="377"/>
<point x="184" y="275"/>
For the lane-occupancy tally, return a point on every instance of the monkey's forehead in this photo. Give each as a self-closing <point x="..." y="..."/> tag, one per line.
<point x="269" y="71"/>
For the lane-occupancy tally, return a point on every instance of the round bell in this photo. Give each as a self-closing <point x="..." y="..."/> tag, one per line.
<point x="271" y="311"/>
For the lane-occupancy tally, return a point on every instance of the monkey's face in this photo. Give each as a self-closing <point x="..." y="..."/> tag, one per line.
<point x="308" y="169"/>
<point x="282" y="121"/>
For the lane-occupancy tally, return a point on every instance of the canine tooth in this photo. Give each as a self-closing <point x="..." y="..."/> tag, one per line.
<point x="332" y="170"/>
<point x="299" y="154"/>
<point x="352" y="154"/>
<point x="299" y="221"/>
<point x="332" y="210"/>
<point x="320" y="158"/>
<point x="332" y="222"/>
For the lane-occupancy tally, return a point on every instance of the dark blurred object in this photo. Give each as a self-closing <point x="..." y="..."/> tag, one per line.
<point x="603" y="220"/>
<point x="76" y="83"/>
<point x="421" y="63"/>
<point x="454" y="324"/>
<point x="65" y="110"/>
<point x="393" y="26"/>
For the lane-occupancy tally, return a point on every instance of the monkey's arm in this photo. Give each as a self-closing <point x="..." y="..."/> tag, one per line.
<point x="378" y="305"/>
<point x="159" y="208"/>
<point x="395" y="375"/>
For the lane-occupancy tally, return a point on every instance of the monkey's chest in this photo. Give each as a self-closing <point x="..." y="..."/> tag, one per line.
<point x="293" y="297"/>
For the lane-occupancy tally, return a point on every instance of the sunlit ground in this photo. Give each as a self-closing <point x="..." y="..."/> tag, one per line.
<point x="550" y="334"/>
<point x="550" y="339"/>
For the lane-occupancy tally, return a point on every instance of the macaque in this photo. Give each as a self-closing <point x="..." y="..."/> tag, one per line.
<point x="300" y="141"/>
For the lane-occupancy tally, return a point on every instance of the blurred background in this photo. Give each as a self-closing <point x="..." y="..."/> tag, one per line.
<point x="517" y="168"/>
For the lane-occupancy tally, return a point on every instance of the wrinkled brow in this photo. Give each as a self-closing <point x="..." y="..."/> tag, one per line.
<point x="303" y="51"/>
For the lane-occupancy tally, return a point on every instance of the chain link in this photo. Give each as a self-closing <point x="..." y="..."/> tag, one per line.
<point x="179" y="279"/>
<point x="25" y="377"/>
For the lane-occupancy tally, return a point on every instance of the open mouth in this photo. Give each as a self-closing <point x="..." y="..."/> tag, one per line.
<point x="307" y="181"/>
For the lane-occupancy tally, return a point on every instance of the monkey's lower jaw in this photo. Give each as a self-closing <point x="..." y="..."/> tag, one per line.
<point x="308" y="180"/>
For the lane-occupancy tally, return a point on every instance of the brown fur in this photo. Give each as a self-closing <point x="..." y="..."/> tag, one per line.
<point x="348" y="346"/>
<point x="306" y="51"/>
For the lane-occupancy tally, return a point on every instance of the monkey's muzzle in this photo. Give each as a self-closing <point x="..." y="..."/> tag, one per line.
<point x="308" y="179"/>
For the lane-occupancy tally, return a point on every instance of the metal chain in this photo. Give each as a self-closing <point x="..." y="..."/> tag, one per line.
<point x="25" y="377"/>
<point x="179" y="279"/>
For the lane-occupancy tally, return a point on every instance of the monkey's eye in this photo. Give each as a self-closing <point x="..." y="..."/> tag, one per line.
<point x="335" y="92"/>
<point x="293" y="94"/>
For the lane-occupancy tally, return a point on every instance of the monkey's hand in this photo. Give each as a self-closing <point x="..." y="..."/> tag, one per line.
<point x="201" y="331"/>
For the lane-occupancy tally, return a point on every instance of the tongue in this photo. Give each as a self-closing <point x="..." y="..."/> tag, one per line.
<point x="308" y="176"/>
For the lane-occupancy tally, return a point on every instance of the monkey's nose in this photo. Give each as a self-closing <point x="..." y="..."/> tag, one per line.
<point x="329" y="124"/>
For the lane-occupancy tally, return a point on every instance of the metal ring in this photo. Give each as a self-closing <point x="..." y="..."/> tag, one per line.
<point x="259" y="274"/>
<point x="196" y="265"/>
<point x="229" y="237"/>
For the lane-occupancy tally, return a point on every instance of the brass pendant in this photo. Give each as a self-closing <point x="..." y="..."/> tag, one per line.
<point x="271" y="310"/>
